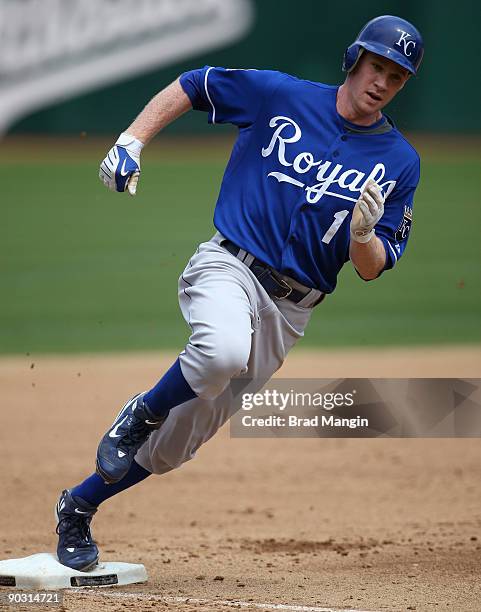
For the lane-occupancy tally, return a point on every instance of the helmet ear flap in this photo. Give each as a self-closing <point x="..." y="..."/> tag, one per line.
<point x="351" y="57"/>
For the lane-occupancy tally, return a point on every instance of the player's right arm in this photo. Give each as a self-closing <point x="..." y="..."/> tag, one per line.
<point x="120" y="170"/>
<point x="227" y="95"/>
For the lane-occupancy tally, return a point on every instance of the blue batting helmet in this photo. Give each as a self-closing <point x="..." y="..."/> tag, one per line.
<point x="391" y="37"/>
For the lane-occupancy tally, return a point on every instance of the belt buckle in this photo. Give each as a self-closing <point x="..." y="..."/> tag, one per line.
<point x="285" y="285"/>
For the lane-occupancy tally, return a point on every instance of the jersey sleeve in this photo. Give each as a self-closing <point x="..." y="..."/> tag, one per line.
<point x="395" y="225"/>
<point x="229" y="95"/>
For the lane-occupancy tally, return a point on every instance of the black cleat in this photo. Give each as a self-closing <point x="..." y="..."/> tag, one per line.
<point x="76" y="548"/>
<point x="130" y="430"/>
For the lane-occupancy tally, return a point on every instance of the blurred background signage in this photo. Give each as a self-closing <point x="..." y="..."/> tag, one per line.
<point x="53" y="49"/>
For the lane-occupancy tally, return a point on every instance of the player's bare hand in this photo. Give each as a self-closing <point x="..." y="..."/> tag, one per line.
<point x="120" y="170"/>
<point x="367" y="212"/>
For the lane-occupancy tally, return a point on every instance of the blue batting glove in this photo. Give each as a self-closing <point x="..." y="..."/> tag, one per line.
<point x="120" y="170"/>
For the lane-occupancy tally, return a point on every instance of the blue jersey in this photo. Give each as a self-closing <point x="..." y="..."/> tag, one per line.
<point x="297" y="169"/>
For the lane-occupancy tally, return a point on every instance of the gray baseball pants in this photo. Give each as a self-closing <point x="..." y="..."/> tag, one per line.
<point x="236" y="330"/>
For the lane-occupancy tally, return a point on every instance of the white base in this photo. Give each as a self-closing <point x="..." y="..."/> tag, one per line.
<point x="43" y="571"/>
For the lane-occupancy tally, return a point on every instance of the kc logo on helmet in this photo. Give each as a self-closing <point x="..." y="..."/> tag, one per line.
<point x="405" y="42"/>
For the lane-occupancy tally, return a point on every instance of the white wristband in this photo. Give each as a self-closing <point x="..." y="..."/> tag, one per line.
<point x="361" y="236"/>
<point x="130" y="142"/>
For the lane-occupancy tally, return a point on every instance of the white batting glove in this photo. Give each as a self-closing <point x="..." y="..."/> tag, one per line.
<point x="367" y="212"/>
<point x="120" y="170"/>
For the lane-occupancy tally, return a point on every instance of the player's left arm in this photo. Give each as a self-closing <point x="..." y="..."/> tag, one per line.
<point x="379" y="229"/>
<point x="368" y="258"/>
<point x="366" y="250"/>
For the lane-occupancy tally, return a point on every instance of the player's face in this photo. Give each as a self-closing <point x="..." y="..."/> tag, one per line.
<point x="374" y="82"/>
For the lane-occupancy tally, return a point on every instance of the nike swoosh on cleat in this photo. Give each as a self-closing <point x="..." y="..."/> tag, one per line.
<point x="70" y="549"/>
<point x="113" y="433"/>
<point x="127" y="406"/>
<point x="121" y="454"/>
<point x="151" y="422"/>
<point x="80" y="511"/>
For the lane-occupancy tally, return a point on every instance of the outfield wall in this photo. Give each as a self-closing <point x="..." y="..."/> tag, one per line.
<point x="307" y="38"/>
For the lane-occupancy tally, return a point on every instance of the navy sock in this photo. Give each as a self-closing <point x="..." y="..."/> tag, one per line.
<point x="171" y="390"/>
<point x="94" y="490"/>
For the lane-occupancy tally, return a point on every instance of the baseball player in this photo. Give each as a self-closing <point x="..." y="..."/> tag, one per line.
<point x="318" y="176"/>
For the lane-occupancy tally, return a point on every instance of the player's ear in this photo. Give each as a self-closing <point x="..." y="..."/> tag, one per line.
<point x="406" y="78"/>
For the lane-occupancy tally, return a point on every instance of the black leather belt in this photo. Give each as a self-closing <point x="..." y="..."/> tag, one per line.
<point x="271" y="281"/>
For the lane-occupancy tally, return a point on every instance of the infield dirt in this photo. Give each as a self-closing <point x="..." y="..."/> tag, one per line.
<point x="379" y="524"/>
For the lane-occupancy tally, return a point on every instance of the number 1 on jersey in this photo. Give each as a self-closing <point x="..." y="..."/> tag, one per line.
<point x="336" y="224"/>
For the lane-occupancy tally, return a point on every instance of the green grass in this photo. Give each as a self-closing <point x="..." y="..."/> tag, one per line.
<point x="83" y="269"/>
